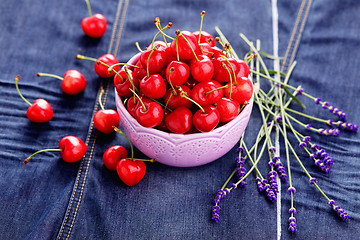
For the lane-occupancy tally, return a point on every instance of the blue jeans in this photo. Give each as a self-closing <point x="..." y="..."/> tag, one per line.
<point x="49" y="198"/>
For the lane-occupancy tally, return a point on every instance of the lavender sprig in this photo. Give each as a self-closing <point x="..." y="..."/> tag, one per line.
<point x="217" y="200"/>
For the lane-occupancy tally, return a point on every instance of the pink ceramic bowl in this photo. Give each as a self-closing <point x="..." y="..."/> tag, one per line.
<point x="183" y="150"/>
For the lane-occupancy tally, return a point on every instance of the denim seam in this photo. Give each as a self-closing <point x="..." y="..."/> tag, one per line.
<point x="81" y="176"/>
<point x="296" y="33"/>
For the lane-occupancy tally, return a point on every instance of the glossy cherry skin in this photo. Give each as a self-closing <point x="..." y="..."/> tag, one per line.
<point x="40" y="111"/>
<point x="180" y="74"/>
<point x="202" y="70"/>
<point x="220" y="73"/>
<point x="151" y="116"/>
<point x="244" y="69"/>
<point x="179" y="120"/>
<point x="191" y="82"/>
<point x="208" y="120"/>
<point x="185" y="52"/>
<point x="140" y="72"/>
<point x="241" y="92"/>
<point x="105" y="120"/>
<point x="133" y="102"/>
<point x="153" y="86"/>
<point x="205" y="37"/>
<point x="102" y="70"/>
<point x="123" y="84"/>
<point x="73" y="82"/>
<point x="131" y="172"/>
<point x="73" y="149"/>
<point x="94" y="26"/>
<point x="228" y="109"/>
<point x="157" y="60"/>
<point x="113" y="155"/>
<point x="175" y="101"/>
<point x="200" y="93"/>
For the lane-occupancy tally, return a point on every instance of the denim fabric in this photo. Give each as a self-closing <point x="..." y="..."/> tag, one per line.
<point x="49" y="198"/>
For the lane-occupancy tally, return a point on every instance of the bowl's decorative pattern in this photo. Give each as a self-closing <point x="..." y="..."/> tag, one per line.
<point x="183" y="150"/>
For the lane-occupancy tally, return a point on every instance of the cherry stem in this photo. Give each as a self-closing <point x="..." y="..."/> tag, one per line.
<point x="40" y="151"/>
<point x="142" y="103"/>
<point x="201" y="23"/>
<point x="249" y="58"/>
<point x="89" y="7"/>
<point x="81" y="57"/>
<point x="49" y="75"/>
<point x="146" y="160"/>
<point x="120" y="64"/>
<point x="17" y="77"/>
<point x="147" y="63"/>
<point x="183" y="94"/>
<point x="131" y="146"/>
<point x="227" y="69"/>
<point x="100" y="96"/>
<point x="232" y="68"/>
<point x="177" y="48"/>
<point x="222" y="87"/>
<point x="171" y="70"/>
<point x="190" y="47"/>
<point x="130" y="79"/>
<point x="138" y="46"/>
<point x="158" y="26"/>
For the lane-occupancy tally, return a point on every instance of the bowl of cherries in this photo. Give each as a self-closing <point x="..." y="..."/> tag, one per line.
<point x="185" y="102"/>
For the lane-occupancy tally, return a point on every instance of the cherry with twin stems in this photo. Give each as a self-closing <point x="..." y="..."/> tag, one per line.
<point x="125" y="80"/>
<point x="185" y="46"/>
<point x="73" y="81"/>
<point x="94" y="25"/>
<point x="130" y="170"/>
<point x="105" y="120"/>
<point x="102" y="64"/>
<point x="174" y="100"/>
<point x="71" y="149"/>
<point x="40" y="111"/>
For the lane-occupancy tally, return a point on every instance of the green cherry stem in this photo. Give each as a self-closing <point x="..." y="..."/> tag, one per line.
<point x="170" y="71"/>
<point x="177" y="45"/>
<point x="40" y="151"/>
<point x="232" y="68"/>
<point x="183" y="94"/>
<point x="148" y="59"/>
<point x="201" y="23"/>
<point x="121" y="64"/>
<point x="137" y="96"/>
<point x="131" y="146"/>
<point x="89" y="7"/>
<point x="222" y="87"/>
<point x="100" y="96"/>
<point x="227" y="69"/>
<point x="138" y="46"/>
<point x="49" y="75"/>
<point x="17" y="78"/>
<point x="190" y="47"/>
<point x="130" y="79"/>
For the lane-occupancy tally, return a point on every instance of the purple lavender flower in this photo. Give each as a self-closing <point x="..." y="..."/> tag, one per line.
<point x="272" y="181"/>
<point x="314" y="147"/>
<point x="332" y="109"/>
<point x="318" y="100"/>
<point x="279" y="119"/>
<point x="313" y="180"/>
<point x="240" y="169"/>
<point x="215" y="213"/>
<point x="340" y="212"/>
<point x="272" y="149"/>
<point x="240" y="150"/>
<point x="292" y="210"/>
<point x="308" y="126"/>
<point x="300" y="92"/>
<point x="291" y="190"/>
<point x="269" y="191"/>
<point x="292" y="225"/>
<point x="281" y="170"/>
<point x="259" y="184"/>
<point x="347" y="126"/>
<point x="329" y="132"/>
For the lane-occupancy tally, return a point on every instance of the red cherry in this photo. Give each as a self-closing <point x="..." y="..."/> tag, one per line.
<point x="102" y="70"/>
<point x="244" y="69"/>
<point x="153" y="86"/>
<point x="207" y="120"/>
<point x="113" y="155"/>
<point x="157" y="60"/>
<point x="179" y="120"/>
<point x="175" y="101"/>
<point x="105" y="120"/>
<point x="140" y="72"/>
<point x="204" y="93"/>
<point x="131" y="172"/>
<point x="220" y="73"/>
<point x="73" y="82"/>
<point x="202" y="70"/>
<point x="191" y="82"/>
<point x="180" y="73"/>
<point x="123" y="84"/>
<point x="149" y="114"/>
<point x="206" y="49"/>
<point x="216" y="52"/>
<point x="228" y="109"/>
<point x="94" y="26"/>
<point x="185" y="51"/>
<point x="133" y="102"/>
<point x="73" y="148"/>
<point x="205" y="37"/>
<point x="40" y="111"/>
<point x="241" y="92"/>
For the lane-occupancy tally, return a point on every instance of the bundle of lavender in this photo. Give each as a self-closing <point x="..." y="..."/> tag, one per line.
<point x="280" y="119"/>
